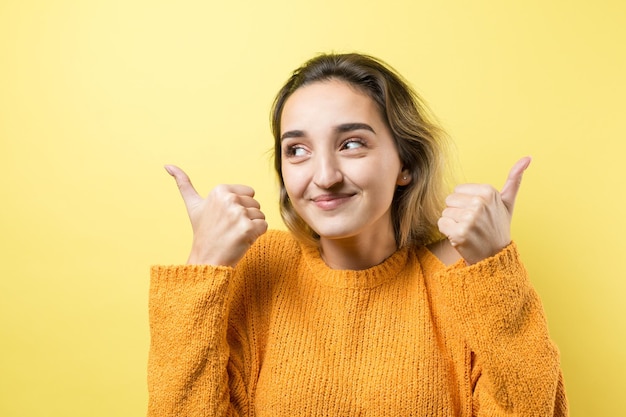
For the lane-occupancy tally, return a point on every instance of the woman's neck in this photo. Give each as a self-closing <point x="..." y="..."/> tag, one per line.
<point x="357" y="253"/>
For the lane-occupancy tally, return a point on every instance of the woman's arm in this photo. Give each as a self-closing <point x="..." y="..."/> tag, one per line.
<point x="190" y="368"/>
<point x="515" y="367"/>
<point x="196" y="365"/>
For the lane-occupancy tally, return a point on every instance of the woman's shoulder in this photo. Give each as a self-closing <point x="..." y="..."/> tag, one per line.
<point x="275" y="239"/>
<point x="268" y="262"/>
<point x="272" y="247"/>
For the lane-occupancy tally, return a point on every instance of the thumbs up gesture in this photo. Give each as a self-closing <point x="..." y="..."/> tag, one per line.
<point x="477" y="218"/>
<point x="225" y="224"/>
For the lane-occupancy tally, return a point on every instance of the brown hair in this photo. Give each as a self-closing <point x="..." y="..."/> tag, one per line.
<point x="417" y="206"/>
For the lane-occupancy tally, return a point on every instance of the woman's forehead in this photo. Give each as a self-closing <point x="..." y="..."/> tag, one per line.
<point x="329" y="102"/>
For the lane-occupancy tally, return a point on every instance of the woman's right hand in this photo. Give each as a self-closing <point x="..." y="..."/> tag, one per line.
<point x="225" y="224"/>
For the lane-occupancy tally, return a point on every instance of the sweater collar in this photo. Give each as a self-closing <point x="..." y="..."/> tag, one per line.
<point x="343" y="278"/>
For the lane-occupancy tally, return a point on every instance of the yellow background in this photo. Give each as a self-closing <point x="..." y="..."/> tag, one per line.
<point x="95" y="96"/>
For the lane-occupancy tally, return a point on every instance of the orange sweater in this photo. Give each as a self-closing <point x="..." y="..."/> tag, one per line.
<point x="283" y="335"/>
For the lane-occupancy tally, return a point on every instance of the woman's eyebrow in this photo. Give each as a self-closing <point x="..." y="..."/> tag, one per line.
<point x="342" y="128"/>
<point x="292" y="134"/>
<point x="349" y="127"/>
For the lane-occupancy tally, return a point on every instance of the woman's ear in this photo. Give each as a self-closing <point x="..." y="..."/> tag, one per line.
<point x="404" y="177"/>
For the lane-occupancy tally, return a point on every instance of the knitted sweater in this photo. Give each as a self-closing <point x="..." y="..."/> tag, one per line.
<point x="284" y="335"/>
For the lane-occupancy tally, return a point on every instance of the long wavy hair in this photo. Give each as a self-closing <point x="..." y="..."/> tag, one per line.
<point x="420" y="142"/>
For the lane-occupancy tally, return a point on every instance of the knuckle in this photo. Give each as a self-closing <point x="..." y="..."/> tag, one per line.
<point x="247" y="228"/>
<point x="220" y="188"/>
<point x="477" y="201"/>
<point x="469" y="216"/>
<point x="489" y="192"/>
<point x="462" y="232"/>
<point x="238" y="211"/>
<point x="218" y="191"/>
<point x="230" y="198"/>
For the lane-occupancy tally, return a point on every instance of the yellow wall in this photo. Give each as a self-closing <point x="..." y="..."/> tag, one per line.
<point x="95" y="96"/>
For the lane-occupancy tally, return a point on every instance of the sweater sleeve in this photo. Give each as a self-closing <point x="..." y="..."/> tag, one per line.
<point x="190" y="371"/>
<point x="515" y="367"/>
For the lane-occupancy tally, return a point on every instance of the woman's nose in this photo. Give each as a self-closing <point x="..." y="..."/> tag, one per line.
<point x="327" y="172"/>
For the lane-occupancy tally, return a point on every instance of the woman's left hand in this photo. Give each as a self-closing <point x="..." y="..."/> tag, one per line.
<point x="477" y="219"/>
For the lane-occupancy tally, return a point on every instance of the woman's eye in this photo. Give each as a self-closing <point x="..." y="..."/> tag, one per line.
<point x="352" y="144"/>
<point x="295" y="151"/>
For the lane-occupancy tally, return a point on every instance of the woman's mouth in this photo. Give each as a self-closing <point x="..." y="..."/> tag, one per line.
<point x="331" y="201"/>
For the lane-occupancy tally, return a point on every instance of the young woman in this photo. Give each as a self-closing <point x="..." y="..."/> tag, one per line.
<point x="385" y="298"/>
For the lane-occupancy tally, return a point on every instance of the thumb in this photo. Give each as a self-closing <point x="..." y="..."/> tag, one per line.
<point x="513" y="182"/>
<point x="187" y="191"/>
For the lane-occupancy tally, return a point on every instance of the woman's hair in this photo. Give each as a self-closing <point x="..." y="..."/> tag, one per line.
<point x="417" y="206"/>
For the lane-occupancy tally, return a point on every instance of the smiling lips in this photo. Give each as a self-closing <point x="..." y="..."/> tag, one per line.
<point x="331" y="201"/>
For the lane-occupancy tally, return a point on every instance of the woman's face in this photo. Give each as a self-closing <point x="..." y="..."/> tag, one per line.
<point x="340" y="165"/>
